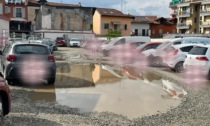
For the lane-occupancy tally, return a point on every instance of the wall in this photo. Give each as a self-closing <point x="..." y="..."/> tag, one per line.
<point x="155" y="28"/>
<point x="75" y="19"/>
<point x="31" y="14"/>
<point x="122" y="20"/>
<point x="97" y="23"/>
<point x="139" y="27"/>
<point x="4" y="25"/>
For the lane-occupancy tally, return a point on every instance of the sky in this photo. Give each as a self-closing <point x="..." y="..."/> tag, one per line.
<point x="159" y="8"/>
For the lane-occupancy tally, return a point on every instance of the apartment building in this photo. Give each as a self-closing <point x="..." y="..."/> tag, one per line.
<point x="193" y="16"/>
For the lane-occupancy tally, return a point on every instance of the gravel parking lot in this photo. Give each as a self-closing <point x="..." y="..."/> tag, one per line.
<point x="194" y="109"/>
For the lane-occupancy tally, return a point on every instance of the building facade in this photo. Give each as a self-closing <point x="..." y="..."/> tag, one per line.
<point x="55" y="16"/>
<point x="4" y="30"/>
<point x="140" y="26"/>
<point x="193" y="16"/>
<point x="16" y="12"/>
<point x="105" y="19"/>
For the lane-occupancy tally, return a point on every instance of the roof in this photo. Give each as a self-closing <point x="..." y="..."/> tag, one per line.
<point x="141" y="19"/>
<point x="55" y="4"/>
<point x="112" y="12"/>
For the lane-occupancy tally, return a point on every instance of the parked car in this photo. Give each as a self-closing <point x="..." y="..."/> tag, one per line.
<point x="155" y="55"/>
<point x="27" y="61"/>
<point x="5" y="99"/>
<point x="49" y="42"/>
<point x="176" y="57"/>
<point x="60" y="41"/>
<point x="75" y="42"/>
<point x="148" y="45"/>
<point x="198" y="59"/>
<point x="122" y="41"/>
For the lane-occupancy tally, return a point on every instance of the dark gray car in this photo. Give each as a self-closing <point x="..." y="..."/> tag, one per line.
<point x="28" y="62"/>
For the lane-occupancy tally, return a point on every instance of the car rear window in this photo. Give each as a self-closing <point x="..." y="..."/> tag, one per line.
<point x="60" y="38"/>
<point x="30" y="49"/>
<point x="198" y="51"/>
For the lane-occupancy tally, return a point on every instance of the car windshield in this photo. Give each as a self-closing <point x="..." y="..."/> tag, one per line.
<point x="74" y="39"/>
<point x="30" y="49"/>
<point x="198" y="50"/>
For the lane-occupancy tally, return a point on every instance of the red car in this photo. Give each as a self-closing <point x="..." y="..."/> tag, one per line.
<point x="60" y="41"/>
<point x="5" y="99"/>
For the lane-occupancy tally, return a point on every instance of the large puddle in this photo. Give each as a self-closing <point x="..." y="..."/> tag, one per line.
<point x="121" y="90"/>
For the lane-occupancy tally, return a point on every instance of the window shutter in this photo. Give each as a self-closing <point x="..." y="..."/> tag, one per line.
<point x="14" y="12"/>
<point x="23" y="12"/>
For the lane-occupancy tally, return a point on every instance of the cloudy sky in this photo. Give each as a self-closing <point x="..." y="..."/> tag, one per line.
<point x="135" y="7"/>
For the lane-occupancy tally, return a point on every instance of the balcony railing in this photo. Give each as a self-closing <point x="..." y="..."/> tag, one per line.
<point x="183" y="25"/>
<point x="205" y="24"/>
<point x="205" y="12"/>
<point x="184" y="13"/>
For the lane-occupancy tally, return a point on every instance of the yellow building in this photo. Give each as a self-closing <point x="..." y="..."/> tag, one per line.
<point x="105" y="19"/>
<point x="193" y="16"/>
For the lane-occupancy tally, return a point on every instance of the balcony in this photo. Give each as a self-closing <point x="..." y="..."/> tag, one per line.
<point x="175" y="12"/>
<point x="173" y="5"/>
<point x="184" y="14"/>
<point x="205" y="12"/>
<point x="205" y="24"/>
<point x="206" y="2"/>
<point x="183" y="26"/>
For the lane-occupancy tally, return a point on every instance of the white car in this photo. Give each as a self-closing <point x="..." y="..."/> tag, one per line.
<point x="155" y="55"/>
<point x="197" y="60"/>
<point x="74" y="42"/>
<point x="176" y="58"/>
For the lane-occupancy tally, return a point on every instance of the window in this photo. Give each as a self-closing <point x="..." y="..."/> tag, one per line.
<point x="36" y="11"/>
<point x="196" y="8"/>
<point x="184" y="8"/>
<point x="106" y="26"/>
<point x="195" y="20"/>
<point x="7" y="9"/>
<point x="177" y="43"/>
<point x="30" y="49"/>
<point x="115" y="27"/>
<point x="19" y="12"/>
<point x="186" y="49"/>
<point x="205" y="18"/>
<point x="125" y="26"/>
<point x="198" y="51"/>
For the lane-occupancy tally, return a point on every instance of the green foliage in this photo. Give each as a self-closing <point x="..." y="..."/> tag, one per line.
<point x="113" y="33"/>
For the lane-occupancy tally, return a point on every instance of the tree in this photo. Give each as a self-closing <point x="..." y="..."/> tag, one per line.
<point x="113" y="33"/>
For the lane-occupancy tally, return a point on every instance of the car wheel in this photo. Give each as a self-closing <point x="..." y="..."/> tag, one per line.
<point x="1" y="111"/>
<point x="157" y="62"/>
<point x="179" y="67"/>
<point x="51" y="81"/>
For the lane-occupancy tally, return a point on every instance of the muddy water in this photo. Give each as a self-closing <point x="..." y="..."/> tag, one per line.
<point x="126" y="91"/>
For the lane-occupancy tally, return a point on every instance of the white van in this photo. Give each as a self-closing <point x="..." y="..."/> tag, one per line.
<point x="138" y="40"/>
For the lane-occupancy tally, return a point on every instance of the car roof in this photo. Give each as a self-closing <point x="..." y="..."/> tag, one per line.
<point x="27" y="43"/>
<point x="188" y="44"/>
<point x="187" y="38"/>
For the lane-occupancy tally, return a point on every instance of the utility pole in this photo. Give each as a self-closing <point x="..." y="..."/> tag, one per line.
<point x="121" y="5"/>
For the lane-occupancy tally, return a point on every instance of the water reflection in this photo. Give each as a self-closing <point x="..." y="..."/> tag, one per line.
<point x="122" y="90"/>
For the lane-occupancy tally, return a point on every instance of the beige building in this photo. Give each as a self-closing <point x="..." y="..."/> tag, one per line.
<point x="105" y="19"/>
<point x="193" y="16"/>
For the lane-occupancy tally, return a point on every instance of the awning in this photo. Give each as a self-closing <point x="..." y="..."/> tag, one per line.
<point x="115" y="22"/>
<point x="18" y="19"/>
